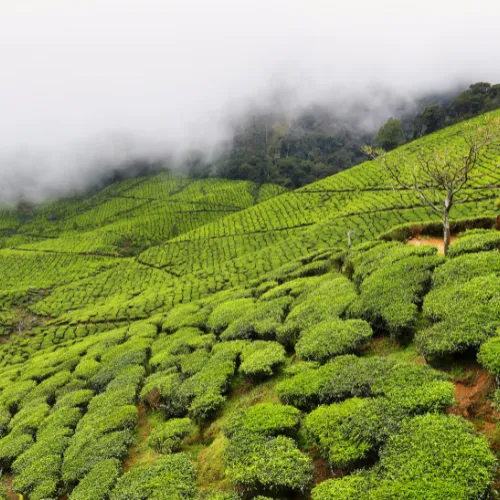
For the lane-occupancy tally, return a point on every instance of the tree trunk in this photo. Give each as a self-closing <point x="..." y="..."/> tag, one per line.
<point x="447" y="230"/>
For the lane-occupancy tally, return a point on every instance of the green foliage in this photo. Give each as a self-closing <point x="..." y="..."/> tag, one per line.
<point x="489" y="355"/>
<point x="332" y="338"/>
<point x="170" y="478"/>
<point x="463" y="315"/>
<point x="390" y="135"/>
<point x="411" y="386"/>
<point x="167" y="437"/>
<point x="391" y="294"/>
<point x="100" y="480"/>
<point x="260" y="358"/>
<point x="479" y="240"/>
<point x="433" y="455"/>
<point x="266" y="419"/>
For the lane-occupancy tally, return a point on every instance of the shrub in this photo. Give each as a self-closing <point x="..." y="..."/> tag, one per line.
<point x="29" y="418"/>
<point x="433" y="456"/>
<point x="489" y="355"/>
<point x="167" y="437"/>
<point x="13" y="445"/>
<point x="327" y="301"/>
<point x="260" y="358"/>
<point x="227" y="312"/>
<point x="100" y="480"/>
<point x="331" y="338"/>
<point x="88" y="450"/>
<point x="16" y="392"/>
<point x="63" y="420"/>
<point x="414" y="387"/>
<point x="79" y="398"/>
<point x="194" y="362"/>
<point x="37" y="469"/>
<point x="185" y="315"/>
<point x="293" y="288"/>
<point x="478" y="240"/>
<point x="464" y="316"/>
<point x="257" y="463"/>
<point x="171" y="477"/>
<point x="390" y="296"/>
<point x="266" y="419"/>
<point x="4" y="420"/>
<point x="466" y="267"/>
<point x="162" y="391"/>
<point x="261" y="321"/>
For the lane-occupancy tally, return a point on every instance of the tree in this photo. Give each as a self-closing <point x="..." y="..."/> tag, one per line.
<point x="438" y="175"/>
<point x="390" y="135"/>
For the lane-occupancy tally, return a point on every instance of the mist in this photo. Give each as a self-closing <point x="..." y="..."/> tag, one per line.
<point x="87" y="85"/>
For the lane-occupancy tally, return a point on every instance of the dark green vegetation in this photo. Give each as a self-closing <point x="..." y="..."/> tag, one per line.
<point x="170" y="338"/>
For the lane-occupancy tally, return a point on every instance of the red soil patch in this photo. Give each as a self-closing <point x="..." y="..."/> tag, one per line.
<point x="422" y="240"/>
<point x="473" y="404"/>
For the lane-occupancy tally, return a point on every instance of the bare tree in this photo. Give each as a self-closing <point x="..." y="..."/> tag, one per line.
<point x="440" y="174"/>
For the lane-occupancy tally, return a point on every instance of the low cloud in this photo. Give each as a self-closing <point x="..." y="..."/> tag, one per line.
<point x="88" y="84"/>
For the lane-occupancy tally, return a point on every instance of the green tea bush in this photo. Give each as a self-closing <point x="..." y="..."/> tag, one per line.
<point x="257" y="463"/>
<point x="261" y="359"/>
<point x="390" y="296"/>
<point x="364" y="260"/>
<point x="29" y="418"/>
<point x="99" y="481"/>
<point x="87" y="450"/>
<point x="329" y="300"/>
<point x="261" y="321"/>
<point x="466" y="267"/>
<point x="194" y="362"/>
<point x="4" y="420"/>
<point x="61" y="421"/>
<point x="37" y="470"/>
<point x="12" y="395"/>
<point x="78" y="398"/>
<point x="478" y="240"/>
<point x="464" y="316"/>
<point x="13" y="445"/>
<point x="167" y="437"/>
<point x="185" y="315"/>
<point x="162" y="391"/>
<point x="227" y="312"/>
<point x="266" y="419"/>
<point x="293" y="288"/>
<point x="414" y="387"/>
<point x="171" y="477"/>
<point x="489" y="355"/>
<point x="332" y="338"/>
<point x="433" y="456"/>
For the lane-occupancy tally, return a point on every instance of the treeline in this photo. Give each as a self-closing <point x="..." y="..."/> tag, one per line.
<point x="318" y="143"/>
<point x="479" y="98"/>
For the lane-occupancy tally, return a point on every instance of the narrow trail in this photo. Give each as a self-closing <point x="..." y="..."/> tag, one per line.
<point x="139" y="451"/>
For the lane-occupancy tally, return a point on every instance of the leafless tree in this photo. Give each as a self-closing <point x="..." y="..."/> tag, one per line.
<point x="440" y="175"/>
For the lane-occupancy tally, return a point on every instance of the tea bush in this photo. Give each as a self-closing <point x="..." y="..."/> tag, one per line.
<point x="167" y="437"/>
<point x="332" y="338"/>
<point x="260" y="358"/>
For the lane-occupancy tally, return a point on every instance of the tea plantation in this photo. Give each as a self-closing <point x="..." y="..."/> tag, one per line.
<point x="171" y="338"/>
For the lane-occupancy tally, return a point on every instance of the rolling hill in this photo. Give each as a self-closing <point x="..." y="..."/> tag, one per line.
<point x="176" y="338"/>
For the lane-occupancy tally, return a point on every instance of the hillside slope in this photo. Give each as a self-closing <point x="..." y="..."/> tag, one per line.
<point x="210" y="317"/>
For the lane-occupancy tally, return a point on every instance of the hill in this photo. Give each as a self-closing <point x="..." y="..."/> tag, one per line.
<point x="177" y="338"/>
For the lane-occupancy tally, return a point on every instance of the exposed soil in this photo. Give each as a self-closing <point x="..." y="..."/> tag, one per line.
<point x="423" y="240"/>
<point x="322" y="470"/>
<point x="7" y="482"/>
<point x="471" y="392"/>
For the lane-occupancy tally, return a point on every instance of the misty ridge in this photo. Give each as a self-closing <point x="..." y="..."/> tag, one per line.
<point x="94" y="91"/>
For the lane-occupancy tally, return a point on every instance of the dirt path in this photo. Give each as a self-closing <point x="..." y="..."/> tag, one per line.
<point x="423" y="240"/>
<point x="139" y="452"/>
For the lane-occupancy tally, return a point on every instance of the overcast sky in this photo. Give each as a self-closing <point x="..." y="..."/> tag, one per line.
<point x="82" y="80"/>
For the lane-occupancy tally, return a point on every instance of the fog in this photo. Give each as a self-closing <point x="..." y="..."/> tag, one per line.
<point x="86" y="85"/>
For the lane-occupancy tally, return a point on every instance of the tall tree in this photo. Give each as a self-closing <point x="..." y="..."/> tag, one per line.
<point x="439" y="175"/>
